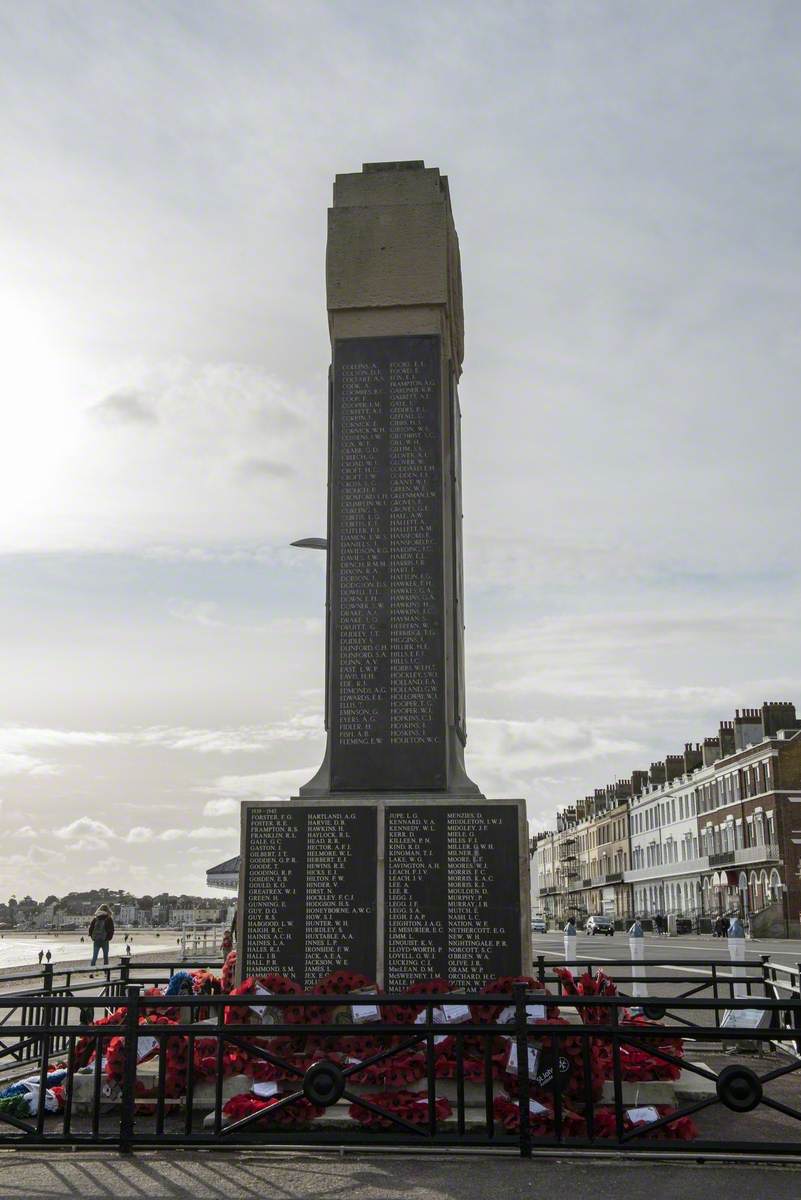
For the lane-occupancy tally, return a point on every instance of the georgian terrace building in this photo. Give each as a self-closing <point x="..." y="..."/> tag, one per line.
<point x="715" y="828"/>
<point x="718" y="828"/>
<point x="666" y="859"/>
<point x="580" y="867"/>
<point x="749" y="819"/>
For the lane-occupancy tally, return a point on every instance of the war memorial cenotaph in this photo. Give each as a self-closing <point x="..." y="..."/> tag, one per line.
<point x="390" y="862"/>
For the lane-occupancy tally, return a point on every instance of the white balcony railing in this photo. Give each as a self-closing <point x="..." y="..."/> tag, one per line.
<point x="690" y="866"/>
<point x="744" y="856"/>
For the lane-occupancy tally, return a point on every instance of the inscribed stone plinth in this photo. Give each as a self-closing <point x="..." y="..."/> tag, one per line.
<point x="396" y="888"/>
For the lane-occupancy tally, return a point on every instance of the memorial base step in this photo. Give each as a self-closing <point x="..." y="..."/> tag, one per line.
<point x="635" y="1095"/>
<point x="690" y="1086"/>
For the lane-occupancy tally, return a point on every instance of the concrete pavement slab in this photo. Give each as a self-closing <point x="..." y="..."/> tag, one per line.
<point x="313" y="1176"/>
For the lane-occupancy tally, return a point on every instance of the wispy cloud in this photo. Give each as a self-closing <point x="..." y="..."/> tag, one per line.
<point x="257" y="469"/>
<point x="210" y="832"/>
<point x="277" y="785"/>
<point x="124" y="408"/>
<point x="15" y="740"/>
<point x="224" y="807"/>
<point x="24" y="764"/>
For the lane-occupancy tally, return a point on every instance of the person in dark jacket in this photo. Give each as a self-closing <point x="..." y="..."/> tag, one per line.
<point x="101" y="931"/>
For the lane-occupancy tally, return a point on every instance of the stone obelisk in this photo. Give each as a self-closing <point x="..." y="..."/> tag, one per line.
<point x="390" y="861"/>
<point x="395" y="695"/>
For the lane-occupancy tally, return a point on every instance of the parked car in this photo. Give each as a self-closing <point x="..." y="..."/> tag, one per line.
<point x="539" y="925"/>
<point x="599" y="925"/>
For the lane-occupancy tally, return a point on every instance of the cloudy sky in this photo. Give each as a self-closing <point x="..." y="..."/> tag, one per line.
<point x="625" y="180"/>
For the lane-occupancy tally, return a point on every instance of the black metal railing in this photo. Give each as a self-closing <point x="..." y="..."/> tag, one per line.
<point x="67" y="984"/>
<point x="576" y="1091"/>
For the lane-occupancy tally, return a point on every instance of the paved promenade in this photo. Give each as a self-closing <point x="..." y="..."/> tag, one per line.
<point x="310" y="1176"/>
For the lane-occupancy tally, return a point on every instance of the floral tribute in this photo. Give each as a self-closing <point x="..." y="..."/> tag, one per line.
<point x="409" y="1106"/>
<point x="228" y="974"/>
<point x="541" y="1121"/>
<point x="297" y="1115"/>
<point x="683" y="1129"/>
<point x="22" y="1098"/>
<point x="380" y="1059"/>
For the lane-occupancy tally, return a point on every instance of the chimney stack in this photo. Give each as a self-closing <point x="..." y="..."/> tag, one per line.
<point x="639" y="779"/>
<point x="674" y="766"/>
<point x="657" y="772"/>
<point x="776" y="715"/>
<point x="693" y="757"/>
<point x="710" y="750"/>
<point x="747" y="728"/>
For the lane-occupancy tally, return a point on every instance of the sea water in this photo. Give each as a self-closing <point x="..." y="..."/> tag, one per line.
<point x="22" y="949"/>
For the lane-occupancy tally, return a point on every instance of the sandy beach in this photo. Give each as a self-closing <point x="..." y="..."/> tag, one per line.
<point x="19" y="952"/>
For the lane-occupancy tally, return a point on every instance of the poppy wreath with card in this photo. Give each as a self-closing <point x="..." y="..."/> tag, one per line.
<point x="683" y="1129"/>
<point x="88" y="1045"/>
<point x="175" y="1057"/>
<point x="405" y="1014"/>
<point x="570" y="1047"/>
<point x="585" y="986"/>
<point x="234" y="1060"/>
<point x="541" y="1123"/>
<point x="641" y="1062"/>
<point x="397" y="1071"/>
<point x="297" y="1115"/>
<point x="487" y="1014"/>
<point x="473" y="1065"/>
<point x="409" y="1106"/>
<point x="351" y="1045"/>
<point x="338" y="983"/>
<point x="204" y="983"/>
<point x="276" y="985"/>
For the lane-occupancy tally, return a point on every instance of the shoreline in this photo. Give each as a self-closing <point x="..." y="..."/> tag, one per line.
<point x="11" y="976"/>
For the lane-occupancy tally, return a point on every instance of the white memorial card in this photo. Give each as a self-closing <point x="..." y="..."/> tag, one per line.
<point x="513" y="1065"/>
<point x="534" y="1012"/>
<point x="362" y="1013"/>
<point x="145" y="1046"/>
<point x="454" y="1013"/>
<point x="259" y="1009"/>
<point x="646" y="1114"/>
<point x="267" y="1088"/>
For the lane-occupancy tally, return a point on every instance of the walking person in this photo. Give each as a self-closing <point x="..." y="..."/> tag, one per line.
<point x="101" y="931"/>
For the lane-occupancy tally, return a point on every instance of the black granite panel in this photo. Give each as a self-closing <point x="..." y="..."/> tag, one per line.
<point x="452" y="894"/>
<point x="310" y="888"/>
<point x="387" y="691"/>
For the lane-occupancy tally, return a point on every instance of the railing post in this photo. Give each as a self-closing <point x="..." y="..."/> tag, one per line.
<point x="125" y="972"/>
<point x="44" y="1050"/>
<point x="47" y="979"/>
<point x="521" y="1034"/>
<point x="715" y="992"/>
<point x="128" y="1110"/>
<point x="541" y="968"/>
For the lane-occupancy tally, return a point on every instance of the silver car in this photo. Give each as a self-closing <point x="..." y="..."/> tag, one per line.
<point x="539" y="925"/>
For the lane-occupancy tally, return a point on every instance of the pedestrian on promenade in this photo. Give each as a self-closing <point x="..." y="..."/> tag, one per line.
<point x="101" y="931"/>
